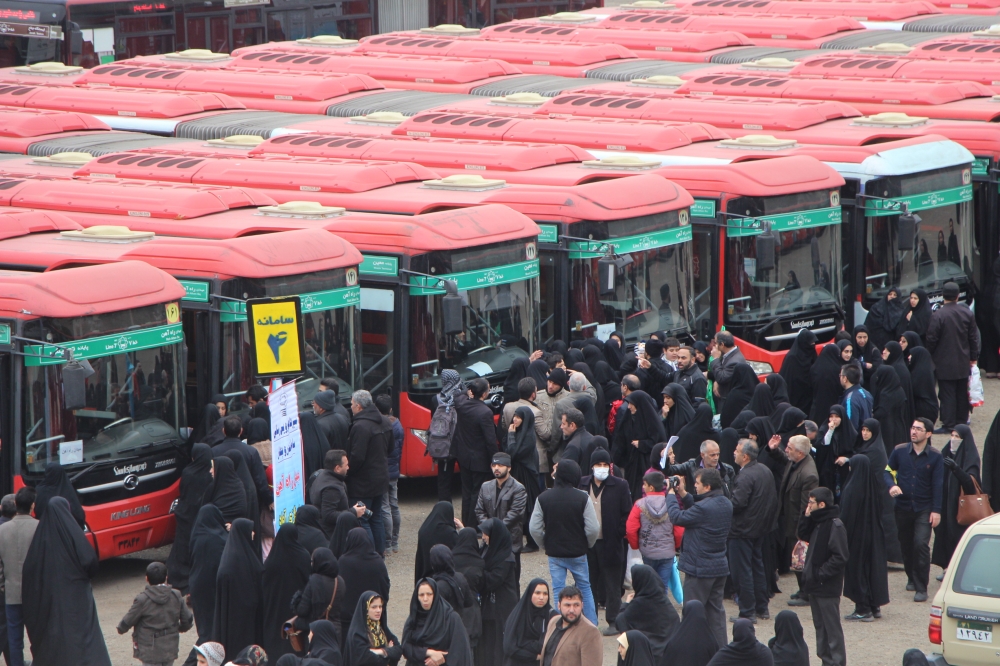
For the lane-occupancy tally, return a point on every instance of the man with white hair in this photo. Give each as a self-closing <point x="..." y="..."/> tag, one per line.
<point x="799" y="478"/>
<point x="369" y="443"/>
<point x="709" y="460"/>
<point x="579" y="398"/>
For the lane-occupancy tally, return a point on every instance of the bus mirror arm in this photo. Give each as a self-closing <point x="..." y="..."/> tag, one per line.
<point x="451" y="303"/>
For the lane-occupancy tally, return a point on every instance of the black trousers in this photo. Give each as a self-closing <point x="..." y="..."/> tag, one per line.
<point x="746" y="566"/>
<point x="606" y="580"/>
<point x="953" y="394"/>
<point x="446" y="470"/>
<point x="914" y="539"/>
<point x="830" y="647"/>
<point x="709" y="592"/>
<point x="471" y="483"/>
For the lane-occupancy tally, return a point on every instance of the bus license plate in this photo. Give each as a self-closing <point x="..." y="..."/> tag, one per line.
<point x="975" y="631"/>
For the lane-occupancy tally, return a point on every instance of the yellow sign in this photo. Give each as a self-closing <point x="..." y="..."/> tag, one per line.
<point x="276" y="336"/>
<point x="173" y="313"/>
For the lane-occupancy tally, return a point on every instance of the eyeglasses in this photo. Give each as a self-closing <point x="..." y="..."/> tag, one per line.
<point x="918" y="428"/>
<point x="811" y="501"/>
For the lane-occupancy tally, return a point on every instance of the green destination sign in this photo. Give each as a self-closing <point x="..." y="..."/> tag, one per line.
<point x="195" y="291"/>
<point x="317" y="301"/>
<point x="4" y="334"/>
<point x="487" y="277"/>
<point x="373" y="264"/>
<point x="703" y="208"/>
<point x="981" y="166"/>
<point x="652" y="241"/>
<point x="820" y="217"/>
<point x="550" y="233"/>
<point x="917" y="202"/>
<point x="106" y="345"/>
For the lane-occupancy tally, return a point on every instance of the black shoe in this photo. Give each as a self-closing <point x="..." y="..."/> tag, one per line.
<point x="752" y="618"/>
<point x="910" y="587"/>
<point x="610" y="631"/>
<point x="529" y="549"/>
<point x="795" y="595"/>
<point x="920" y="596"/>
<point x="877" y="613"/>
<point x="765" y="616"/>
<point x="798" y="602"/>
<point x="943" y="431"/>
<point x="859" y="617"/>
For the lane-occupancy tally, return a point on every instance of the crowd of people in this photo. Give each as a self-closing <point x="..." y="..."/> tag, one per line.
<point x="662" y="472"/>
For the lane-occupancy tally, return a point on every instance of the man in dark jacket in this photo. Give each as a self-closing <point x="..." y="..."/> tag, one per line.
<point x="709" y="460"/>
<point x="391" y="517"/>
<point x="755" y="508"/>
<point x="474" y="443"/>
<point x="612" y="502"/>
<point x="507" y="500"/>
<point x="579" y="442"/>
<point x="158" y="616"/>
<point x="328" y="491"/>
<point x="334" y="426"/>
<point x="823" y="574"/>
<point x="727" y="356"/>
<point x="953" y="341"/>
<point x="370" y="443"/>
<point x="797" y="481"/>
<point x="706" y="521"/>
<point x="689" y="376"/>
<point x="232" y="428"/>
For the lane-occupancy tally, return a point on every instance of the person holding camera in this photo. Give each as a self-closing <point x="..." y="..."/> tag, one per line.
<point x="706" y="526"/>
<point x="709" y="459"/>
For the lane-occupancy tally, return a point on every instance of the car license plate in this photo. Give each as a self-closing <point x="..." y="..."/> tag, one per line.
<point x="978" y="632"/>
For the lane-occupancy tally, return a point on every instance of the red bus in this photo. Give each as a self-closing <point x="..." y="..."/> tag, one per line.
<point x="119" y="431"/>
<point x="984" y="70"/>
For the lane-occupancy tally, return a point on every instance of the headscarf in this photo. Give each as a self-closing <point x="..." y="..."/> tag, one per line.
<point x="522" y="450"/>
<point x="196" y="485"/>
<point x="499" y="549"/>
<point x="796" y="369"/>
<point x="228" y="492"/>
<point x="451" y="385"/>
<point x="57" y="598"/>
<point x="525" y="627"/>
<point x="788" y="645"/>
<point x="745" y="650"/>
<point x="791" y="424"/>
<point x="826" y="386"/>
<point x="778" y="413"/>
<point x="249" y="488"/>
<point x="681" y="413"/>
<point x="912" y="340"/>
<point x="438" y="527"/>
<point x="702" y="347"/>
<point x="925" y="401"/>
<point x="209" y="430"/>
<point x="739" y="424"/>
<point x="694" y="642"/>
<point x="920" y="318"/>
<point x="647" y="423"/>
<point x="362" y="569"/>
<point x="890" y="407"/>
<point x="897" y="361"/>
<point x="649" y="611"/>
<point x="57" y="484"/>
<point x="779" y="388"/>
<point x="314" y="443"/>
<point x="638" y="651"/>
<point x="884" y="317"/>
<point x="311" y="535"/>
<point x="325" y="643"/>
<point x="346" y="521"/>
<point x="251" y="655"/>
<point x="208" y="540"/>
<point x="363" y="633"/>
<point x="728" y="439"/>
<point x="867" y="353"/>
<point x="741" y="389"/>
<point x="844" y="344"/>
<point x="539" y="371"/>
<point x="518" y="371"/>
<point x="468" y="559"/>
<point x="967" y="463"/>
<point x="690" y="437"/>
<point x="866" y="579"/>
<point x="258" y="430"/>
<point x="438" y="628"/>
<point x="762" y="402"/>
<point x="574" y="355"/>
<point x="585" y="370"/>
<point x="442" y="570"/>
<point x="238" y="590"/>
<point x="285" y="572"/>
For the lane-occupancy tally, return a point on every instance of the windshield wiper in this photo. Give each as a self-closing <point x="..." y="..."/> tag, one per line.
<point x="100" y="463"/>
<point x="150" y="445"/>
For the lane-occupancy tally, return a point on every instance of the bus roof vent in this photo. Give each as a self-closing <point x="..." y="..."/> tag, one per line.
<point x="889" y="48"/>
<point x="311" y="210"/>
<point x="450" y="30"/>
<point x="992" y="32"/>
<point x="769" y="63"/>
<point x="49" y="69"/>
<point x="237" y="141"/>
<point x="108" y="233"/>
<point x="759" y="142"/>
<point x="72" y="160"/>
<point x="659" y="81"/>
<point x="327" y="41"/>
<point x="197" y="55"/>
<point x="466" y="183"/>
<point x="379" y="118"/>
<point x="623" y="163"/>
<point x="575" y="18"/>
<point x="648" y="5"/>
<point x="890" y="119"/>
<point x="519" y="99"/>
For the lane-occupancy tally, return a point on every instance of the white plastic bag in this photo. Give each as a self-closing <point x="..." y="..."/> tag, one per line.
<point x="976" y="398"/>
<point x="634" y="558"/>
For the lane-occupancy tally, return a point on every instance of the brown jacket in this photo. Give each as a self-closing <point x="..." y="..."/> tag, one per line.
<point x="796" y="482"/>
<point x="581" y="645"/>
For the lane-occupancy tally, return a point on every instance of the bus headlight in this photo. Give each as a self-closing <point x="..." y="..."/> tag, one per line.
<point x="419" y="434"/>
<point x="761" y="368"/>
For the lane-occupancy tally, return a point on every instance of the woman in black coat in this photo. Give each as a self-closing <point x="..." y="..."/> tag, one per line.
<point x="894" y="357"/>
<point x="454" y="588"/>
<point x="196" y="486"/>
<point x="917" y="316"/>
<point x="635" y="437"/>
<point x="318" y="593"/>
<point x="884" y="317"/>
<point x="762" y="402"/>
<point x="362" y="569"/>
<point x="866" y="578"/>
<point x="368" y="640"/>
<point x="836" y="439"/>
<point x="741" y="390"/>
<point x="690" y="437"/>
<point x="238" y="608"/>
<point x="962" y="465"/>
<point x="208" y="541"/>
<point x="469" y="562"/>
<point x="826" y="386"/>
<point x="434" y="629"/>
<point x="866" y="352"/>
<point x="678" y="407"/>
<point x="649" y="611"/>
<point x="498" y="592"/>
<point x="286" y="571"/>
<point x="925" y="400"/>
<point x="56" y="483"/>
<point x="438" y="527"/>
<point x="228" y="492"/>
<point x="871" y="445"/>
<point x="525" y="629"/>
<point x="796" y="369"/>
<point x="890" y="407"/>
<point x="346" y="521"/>
<point x="788" y="647"/>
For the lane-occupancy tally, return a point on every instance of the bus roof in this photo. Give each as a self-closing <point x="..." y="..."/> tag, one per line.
<point x="958" y="47"/>
<point x="862" y="11"/>
<point x="761" y="178"/>
<point x="647" y="43"/>
<point x="18" y="122"/>
<point x="984" y="70"/>
<point x="108" y="101"/>
<point x="90" y="290"/>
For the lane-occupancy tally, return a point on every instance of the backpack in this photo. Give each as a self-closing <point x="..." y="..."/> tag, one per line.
<point x="613" y="415"/>
<point x="440" y="432"/>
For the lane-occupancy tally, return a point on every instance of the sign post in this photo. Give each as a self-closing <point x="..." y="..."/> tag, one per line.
<point x="276" y="342"/>
<point x="286" y="454"/>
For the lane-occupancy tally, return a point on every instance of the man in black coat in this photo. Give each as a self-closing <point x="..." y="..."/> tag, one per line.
<point x="953" y="341"/>
<point x="612" y="500"/>
<point x="328" y="491"/>
<point x="579" y="442"/>
<point x="474" y="443"/>
<point x="689" y="376"/>
<point x="232" y="428"/>
<point x="370" y="442"/>
<point x="755" y="512"/>
<point x="823" y="574"/>
<point x="334" y="426"/>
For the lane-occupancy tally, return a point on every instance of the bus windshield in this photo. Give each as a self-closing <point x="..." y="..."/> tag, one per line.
<point x="133" y="401"/>
<point x="944" y="242"/>
<point x="806" y="275"/>
<point x="653" y="290"/>
<point x="331" y="329"/>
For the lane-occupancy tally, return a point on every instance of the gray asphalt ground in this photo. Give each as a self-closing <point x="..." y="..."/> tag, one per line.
<point x="903" y="624"/>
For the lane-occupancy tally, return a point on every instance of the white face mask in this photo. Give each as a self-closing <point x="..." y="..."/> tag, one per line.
<point x="601" y="473"/>
<point x="955" y="443"/>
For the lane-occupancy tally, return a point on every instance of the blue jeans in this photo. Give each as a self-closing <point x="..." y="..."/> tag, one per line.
<point x="663" y="567"/>
<point x="390" y="516"/>
<point x="558" y="566"/>
<point x="373" y="525"/>
<point x="15" y="634"/>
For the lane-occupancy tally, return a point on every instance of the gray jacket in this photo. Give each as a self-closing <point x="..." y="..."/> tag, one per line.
<point x="723" y="368"/>
<point x="508" y="505"/>
<point x="15" y="538"/>
<point x="158" y="614"/>
<point x="706" y="532"/>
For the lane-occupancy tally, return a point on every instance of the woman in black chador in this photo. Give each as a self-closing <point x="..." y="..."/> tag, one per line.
<point x="368" y="641"/>
<point x="649" y="611"/>
<point x="208" y="541"/>
<point x="961" y="465"/>
<point x="286" y="571"/>
<point x="196" y="487"/>
<point x="238" y="609"/>
<point x="433" y="630"/>
<point x="526" y="625"/>
<point x="866" y="580"/>
<point x="498" y="592"/>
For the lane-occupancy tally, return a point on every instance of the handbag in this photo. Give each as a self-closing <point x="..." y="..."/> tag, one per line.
<point x="299" y="639"/>
<point x="799" y="553"/>
<point x="972" y="508"/>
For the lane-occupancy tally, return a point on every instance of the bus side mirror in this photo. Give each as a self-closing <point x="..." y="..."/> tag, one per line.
<point x="906" y="230"/>
<point x="74" y="376"/>
<point x="451" y="308"/>
<point x="606" y="270"/>
<point x="765" y="246"/>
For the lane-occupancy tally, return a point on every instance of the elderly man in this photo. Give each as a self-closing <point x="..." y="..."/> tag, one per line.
<point x="727" y="356"/>
<point x="709" y="460"/>
<point x="580" y="399"/>
<point x="798" y="479"/>
<point x="370" y="442"/>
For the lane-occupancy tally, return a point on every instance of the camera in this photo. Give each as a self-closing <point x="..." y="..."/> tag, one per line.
<point x="368" y="512"/>
<point x="674" y="481"/>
